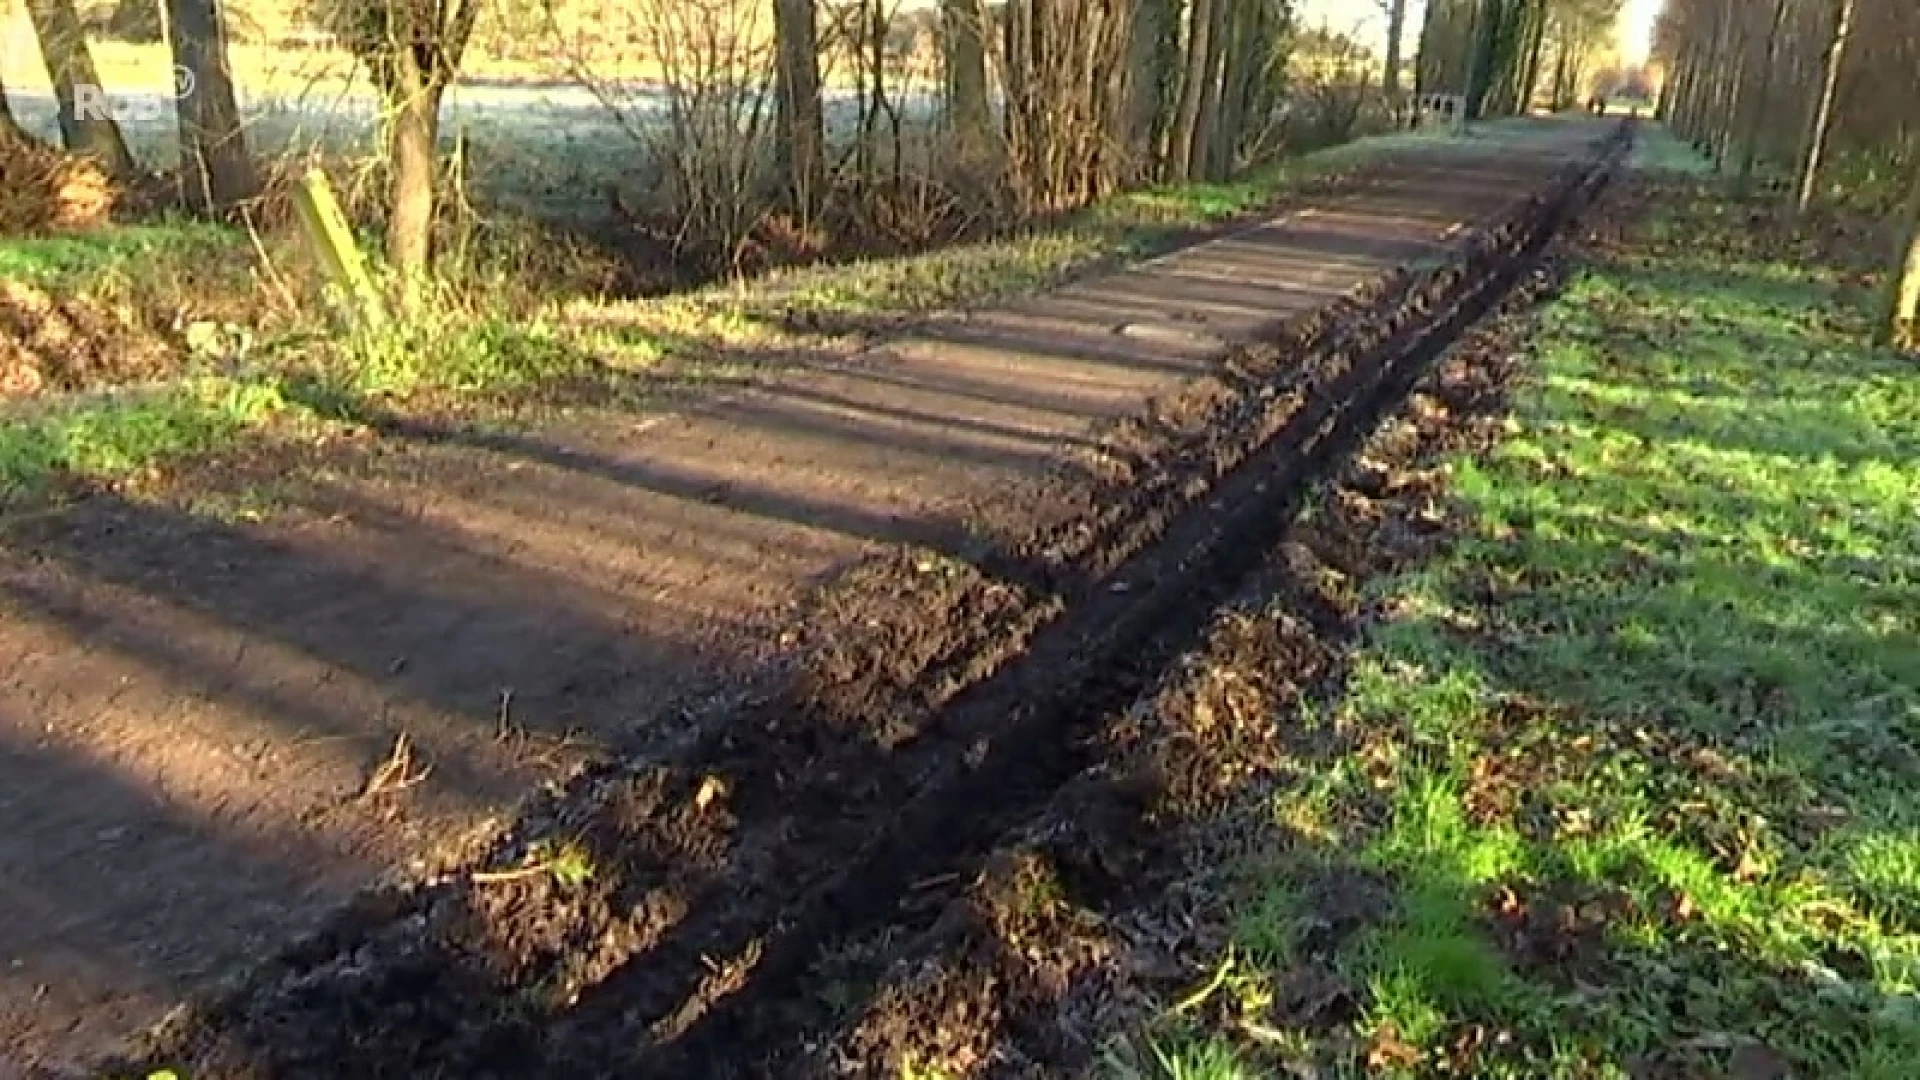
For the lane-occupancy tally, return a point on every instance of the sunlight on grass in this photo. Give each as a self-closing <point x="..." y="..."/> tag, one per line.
<point x="125" y="249"/>
<point x="109" y="436"/>
<point x="1642" y="741"/>
<point x="1657" y="149"/>
<point x="1201" y="1060"/>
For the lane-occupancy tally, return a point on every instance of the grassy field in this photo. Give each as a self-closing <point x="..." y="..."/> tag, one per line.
<point x="1628" y="770"/>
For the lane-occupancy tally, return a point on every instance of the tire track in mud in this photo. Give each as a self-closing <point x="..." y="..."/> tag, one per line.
<point x="947" y="702"/>
<point x="1087" y="916"/>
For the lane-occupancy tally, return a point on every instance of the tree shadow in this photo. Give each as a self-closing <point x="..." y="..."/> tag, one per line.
<point x="250" y="683"/>
<point x="95" y="947"/>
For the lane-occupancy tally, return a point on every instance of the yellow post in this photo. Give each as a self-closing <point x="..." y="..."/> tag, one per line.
<point x="332" y="239"/>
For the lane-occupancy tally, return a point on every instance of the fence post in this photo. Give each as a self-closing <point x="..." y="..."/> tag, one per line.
<point x="332" y="239"/>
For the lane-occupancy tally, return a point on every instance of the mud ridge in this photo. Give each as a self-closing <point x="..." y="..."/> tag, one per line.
<point x="1091" y="912"/>
<point x="668" y="903"/>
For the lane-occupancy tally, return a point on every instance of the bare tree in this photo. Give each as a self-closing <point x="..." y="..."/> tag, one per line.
<point x="963" y="26"/>
<point x="800" y="143"/>
<point x="716" y="92"/>
<point x="1063" y="65"/>
<point x="1903" y="324"/>
<point x="1822" y="112"/>
<point x="413" y="48"/>
<point x="1396" y="11"/>
<point x="1185" y="146"/>
<point x="86" y="124"/>
<point x="215" y="169"/>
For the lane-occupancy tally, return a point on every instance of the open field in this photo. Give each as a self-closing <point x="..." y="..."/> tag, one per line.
<point x="553" y="139"/>
<point x="556" y="152"/>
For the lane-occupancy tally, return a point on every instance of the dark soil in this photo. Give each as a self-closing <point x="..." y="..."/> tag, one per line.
<point x="667" y="915"/>
<point x="1112" y="900"/>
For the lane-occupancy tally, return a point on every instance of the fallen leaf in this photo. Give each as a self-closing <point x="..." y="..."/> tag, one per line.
<point x="1388" y="1051"/>
<point x="711" y="788"/>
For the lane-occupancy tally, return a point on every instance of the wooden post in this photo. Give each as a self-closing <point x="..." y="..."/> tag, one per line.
<point x="332" y="239"/>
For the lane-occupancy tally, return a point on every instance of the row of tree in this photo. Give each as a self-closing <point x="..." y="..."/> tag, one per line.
<point x="1053" y="102"/>
<point x="216" y="170"/>
<point x="1776" y="87"/>
<point x="1502" y="54"/>
<point x="1071" y="99"/>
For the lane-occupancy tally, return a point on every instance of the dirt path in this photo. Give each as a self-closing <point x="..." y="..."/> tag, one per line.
<point x="195" y="708"/>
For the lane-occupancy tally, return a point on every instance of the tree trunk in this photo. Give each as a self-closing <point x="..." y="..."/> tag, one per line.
<point x="413" y="154"/>
<point x="1182" y="147"/>
<point x="1536" y="51"/>
<point x="964" y="30"/>
<point x="1678" y="90"/>
<point x="1903" y="323"/>
<point x="413" y="52"/>
<point x="876" y="106"/>
<point x="1729" y="65"/>
<point x="1219" y="129"/>
<point x="214" y="166"/>
<point x="1816" y="143"/>
<point x="1152" y="39"/>
<point x="1207" y="130"/>
<point x="1562" y="75"/>
<point x="1693" y="106"/>
<point x="1756" y="106"/>
<point x="800" y="148"/>
<point x="1396" y="26"/>
<point x="10" y="129"/>
<point x="1481" y="42"/>
<point x="1425" y="60"/>
<point x="1241" y="31"/>
<point x="1244" y="99"/>
<point x="87" y="125"/>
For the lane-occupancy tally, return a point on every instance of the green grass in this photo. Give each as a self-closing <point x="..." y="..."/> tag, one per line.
<point x="73" y="259"/>
<point x="1658" y="149"/>
<point x="109" y="437"/>
<point x="1635" y="756"/>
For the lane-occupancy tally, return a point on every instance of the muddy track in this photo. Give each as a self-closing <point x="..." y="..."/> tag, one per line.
<point x="1088" y="916"/>
<point x="662" y="916"/>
